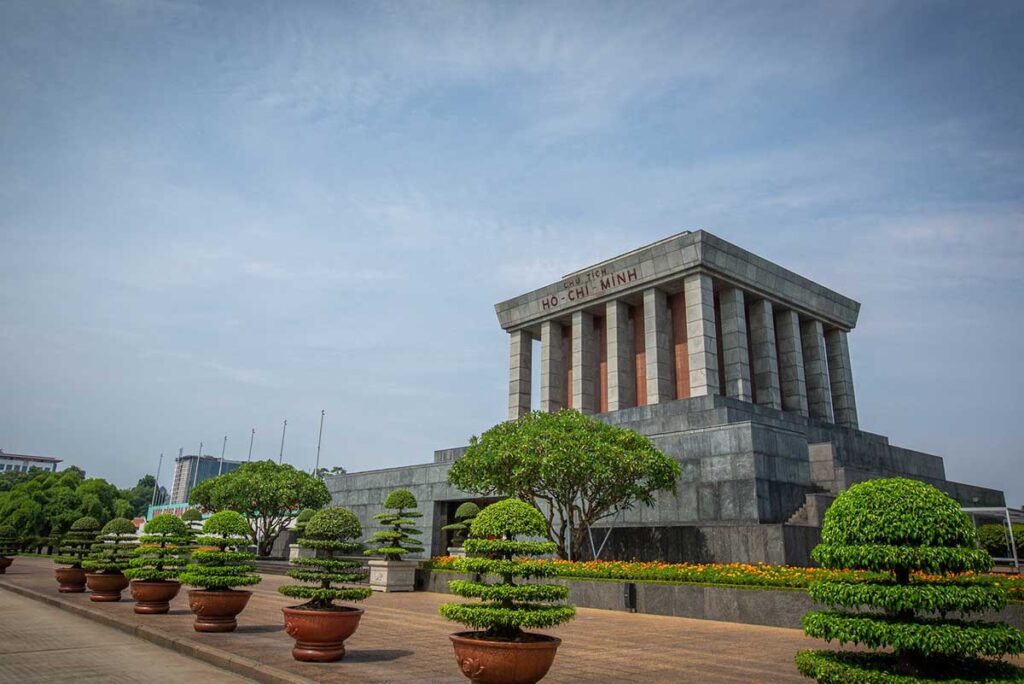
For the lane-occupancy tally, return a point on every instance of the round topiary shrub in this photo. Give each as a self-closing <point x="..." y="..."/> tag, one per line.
<point x="507" y="607"/>
<point x="905" y="529"/>
<point x="78" y="542"/>
<point x="464" y="516"/>
<point x="222" y="569"/>
<point x="401" y="536"/>
<point x="162" y="552"/>
<point x="329" y="531"/>
<point x="113" y="549"/>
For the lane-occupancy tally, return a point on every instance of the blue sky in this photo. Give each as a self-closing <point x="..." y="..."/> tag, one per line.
<point x="215" y="216"/>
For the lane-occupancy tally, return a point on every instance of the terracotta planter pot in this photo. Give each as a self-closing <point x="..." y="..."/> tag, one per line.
<point x="72" y="580"/>
<point x="5" y="563"/>
<point x="153" y="598"/>
<point x="504" y="662"/>
<point x="216" y="610"/>
<point x="320" y="634"/>
<point x="106" y="586"/>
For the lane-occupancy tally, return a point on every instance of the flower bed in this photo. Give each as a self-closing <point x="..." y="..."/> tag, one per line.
<point x="729" y="574"/>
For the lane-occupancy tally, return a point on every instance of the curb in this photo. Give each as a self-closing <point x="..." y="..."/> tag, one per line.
<point x="240" y="665"/>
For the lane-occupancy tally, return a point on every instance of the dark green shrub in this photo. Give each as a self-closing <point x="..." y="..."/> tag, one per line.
<point x="162" y="551"/>
<point x="78" y="542"/>
<point x="464" y="515"/>
<point x="9" y="542"/>
<point x="300" y="521"/>
<point x="898" y="526"/>
<point x="193" y="519"/>
<point x="112" y="551"/>
<point x="507" y="607"/>
<point x="330" y="531"/>
<point x="995" y="539"/>
<point x="401" y="537"/>
<point x="222" y="569"/>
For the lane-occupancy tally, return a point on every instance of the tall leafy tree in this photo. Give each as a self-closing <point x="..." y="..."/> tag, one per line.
<point x="269" y="495"/>
<point x="576" y="470"/>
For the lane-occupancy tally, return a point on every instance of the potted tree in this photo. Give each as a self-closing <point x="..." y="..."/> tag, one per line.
<point x="500" y="651"/>
<point x="108" y="559"/>
<point x="398" y="538"/>
<point x="75" y="547"/>
<point x="161" y="555"/>
<point x="217" y="571"/>
<point x="8" y="547"/>
<point x="464" y="515"/>
<point x="296" y="550"/>
<point x="318" y="626"/>
<point x="898" y="528"/>
<point x="193" y="520"/>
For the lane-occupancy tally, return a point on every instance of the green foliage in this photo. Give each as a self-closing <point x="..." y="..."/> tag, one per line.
<point x="300" y="521"/>
<point x="162" y="552"/>
<point x="43" y="503"/>
<point x="464" y="515"/>
<point x="830" y="667"/>
<point x="226" y="567"/>
<point x="192" y="515"/>
<point x="332" y="530"/>
<point x="895" y="526"/>
<point x="269" y="496"/>
<point x="113" y="549"/>
<point x="77" y="543"/>
<point x="579" y="470"/>
<point x="507" y="607"/>
<point x="9" y="542"/>
<point x="141" y="495"/>
<point x="995" y="540"/>
<point x="399" y="536"/>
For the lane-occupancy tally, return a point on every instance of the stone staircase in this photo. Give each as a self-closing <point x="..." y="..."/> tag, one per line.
<point x="812" y="513"/>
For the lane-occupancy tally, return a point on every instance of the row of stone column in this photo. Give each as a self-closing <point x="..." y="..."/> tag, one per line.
<point x="780" y="361"/>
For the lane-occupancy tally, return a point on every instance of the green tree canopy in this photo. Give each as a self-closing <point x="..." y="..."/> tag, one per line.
<point x="575" y="469"/>
<point x="399" y="536"/>
<point x="269" y="496"/>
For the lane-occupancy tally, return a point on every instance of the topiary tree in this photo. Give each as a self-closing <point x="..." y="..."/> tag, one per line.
<point x="78" y="542"/>
<point x="193" y="519"/>
<point x="507" y="607"/>
<point x="163" y="550"/>
<point x="221" y="569"/>
<point x="9" y="546"/>
<point x="464" y="515"/>
<point x="300" y="522"/>
<point x="112" y="551"/>
<point x="401" y="537"/>
<point x="329" y="531"/>
<point x="901" y="527"/>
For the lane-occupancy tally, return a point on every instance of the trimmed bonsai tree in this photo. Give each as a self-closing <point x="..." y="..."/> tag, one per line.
<point x="158" y="560"/>
<point x="400" y="536"/>
<point x="300" y="522"/>
<point x="320" y="627"/>
<point x="73" y="550"/>
<point x="193" y="519"/>
<point x="506" y="607"/>
<point x="464" y="515"/>
<point x="110" y="556"/>
<point x="9" y="545"/>
<point x="903" y="528"/>
<point x="218" y="571"/>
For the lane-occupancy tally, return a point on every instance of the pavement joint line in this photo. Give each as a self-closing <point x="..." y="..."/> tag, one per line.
<point x="211" y="655"/>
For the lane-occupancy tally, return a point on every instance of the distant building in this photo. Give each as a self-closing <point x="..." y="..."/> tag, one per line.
<point x="24" y="462"/>
<point x="191" y="470"/>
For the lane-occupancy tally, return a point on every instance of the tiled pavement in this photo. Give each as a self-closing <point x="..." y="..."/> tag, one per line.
<point x="401" y="638"/>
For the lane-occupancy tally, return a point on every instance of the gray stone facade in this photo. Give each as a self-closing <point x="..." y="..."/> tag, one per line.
<point x="752" y="394"/>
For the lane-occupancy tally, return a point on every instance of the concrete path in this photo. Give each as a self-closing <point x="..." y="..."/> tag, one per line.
<point x="39" y="643"/>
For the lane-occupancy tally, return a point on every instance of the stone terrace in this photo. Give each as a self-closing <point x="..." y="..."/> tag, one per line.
<point x="402" y="639"/>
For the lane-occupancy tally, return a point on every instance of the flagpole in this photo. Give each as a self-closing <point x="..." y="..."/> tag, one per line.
<point x="319" y="439"/>
<point x="156" y="484"/>
<point x="251" y="438"/>
<point x="223" y="448"/>
<point x="280" y="456"/>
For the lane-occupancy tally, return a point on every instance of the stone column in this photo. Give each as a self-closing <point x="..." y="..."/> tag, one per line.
<point x="791" y="362"/>
<point x="819" y="395"/>
<point x="621" y="364"/>
<point x="766" y="360"/>
<point x="520" y="371"/>
<point x="840" y="373"/>
<point x="584" y="360"/>
<point x="701" y="337"/>
<point x="552" y="368"/>
<point x="661" y="384"/>
<point x="734" y="344"/>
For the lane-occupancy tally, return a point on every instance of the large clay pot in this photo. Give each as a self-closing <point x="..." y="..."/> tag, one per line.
<point x="72" y="580"/>
<point x="504" y="662"/>
<point x="106" y="586"/>
<point x="320" y="634"/>
<point x="5" y="563"/>
<point x="216" y="610"/>
<point x="153" y="598"/>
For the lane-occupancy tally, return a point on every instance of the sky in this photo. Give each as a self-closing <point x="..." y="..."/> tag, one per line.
<point x="218" y="216"/>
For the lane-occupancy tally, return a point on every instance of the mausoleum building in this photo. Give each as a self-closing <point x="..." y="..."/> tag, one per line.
<point x="733" y="365"/>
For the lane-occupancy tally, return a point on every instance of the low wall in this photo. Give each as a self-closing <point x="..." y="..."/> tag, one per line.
<point x="754" y="606"/>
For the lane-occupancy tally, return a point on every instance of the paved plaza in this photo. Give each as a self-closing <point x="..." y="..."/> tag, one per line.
<point x="400" y="639"/>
